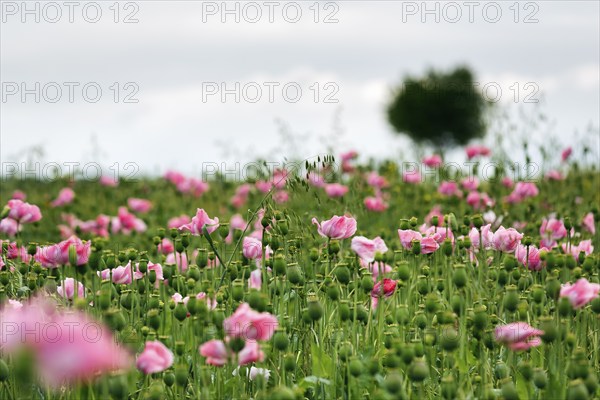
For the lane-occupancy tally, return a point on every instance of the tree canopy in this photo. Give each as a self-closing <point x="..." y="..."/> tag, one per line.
<point x="441" y="109"/>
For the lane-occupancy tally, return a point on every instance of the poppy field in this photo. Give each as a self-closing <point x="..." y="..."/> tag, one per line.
<point x="322" y="279"/>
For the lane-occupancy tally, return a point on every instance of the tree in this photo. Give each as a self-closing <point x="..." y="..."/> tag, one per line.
<point x="441" y="109"/>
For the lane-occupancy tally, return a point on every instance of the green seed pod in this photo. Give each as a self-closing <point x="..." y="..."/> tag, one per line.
<point x="345" y="351"/>
<point x="361" y="314"/>
<point x="570" y="262"/>
<point x="342" y="274"/>
<point x="237" y="290"/>
<point x="595" y="305"/>
<point x="334" y="247"/>
<point x="509" y="391"/>
<point x="154" y="319"/>
<point x="202" y="258"/>
<point x="416" y="247"/>
<point x="294" y="275"/>
<point x="281" y="341"/>
<point x="418" y="371"/>
<point x="117" y="387"/>
<point x="408" y="354"/>
<point x="447" y="247"/>
<point x="289" y="362"/>
<point x="390" y="360"/>
<point x="591" y="382"/>
<point x="169" y="379"/>
<point x="333" y="292"/>
<point x="480" y="317"/>
<point x="552" y="287"/>
<point x="315" y="309"/>
<point x="449" y="387"/>
<point x="420" y="320"/>
<point x="366" y="283"/>
<point x="459" y="277"/>
<point x="279" y="265"/>
<point x="402" y="314"/>
<point x="181" y="375"/>
<point x="403" y="270"/>
<point x="127" y="300"/>
<point x="115" y="319"/>
<point x="431" y="303"/>
<point x="344" y="311"/>
<point x="356" y="368"/>
<point x="540" y="379"/>
<point x="500" y="370"/>
<point x="314" y="254"/>
<point x="577" y="390"/>
<point x="550" y="329"/>
<point x="477" y="221"/>
<point x="457" y="302"/>
<point x="4" y="371"/>
<point x="511" y="298"/>
<point x="564" y="307"/>
<point x="449" y="338"/>
<point x="422" y="285"/>
<point x="282" y="393"/>
<point x="373" y="367"/>
<point x="393" y="383"/>
<point x="526" y="370"/>
<point x="180" y="312"/>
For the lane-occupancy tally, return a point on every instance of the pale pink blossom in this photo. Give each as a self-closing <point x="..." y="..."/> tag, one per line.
<point x="366" y="249"/>
<point x="155" y="358"/>
<point x="518" y="336"/>
<point x="139" y="205"/>
<point x="580" y="293"/>
<point x="199" y="221"/>
<point x="337" y="227"/>
<point x="65" y="196"/>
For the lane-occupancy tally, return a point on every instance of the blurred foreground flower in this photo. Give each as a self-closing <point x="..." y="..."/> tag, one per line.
<point x="67" y="346"/>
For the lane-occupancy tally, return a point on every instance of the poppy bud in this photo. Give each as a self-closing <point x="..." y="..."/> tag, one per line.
<point x="202" y="258"/>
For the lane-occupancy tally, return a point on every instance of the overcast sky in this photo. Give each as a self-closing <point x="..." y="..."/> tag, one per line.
<point x="179" y="55"/>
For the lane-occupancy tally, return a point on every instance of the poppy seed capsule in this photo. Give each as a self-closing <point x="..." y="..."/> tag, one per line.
<point x="418" y="371"/>
<point x="459" y="277"/>
<point x="281" y="341"/>
<point x="315" y="309"/>
<point x="279" y="264"/>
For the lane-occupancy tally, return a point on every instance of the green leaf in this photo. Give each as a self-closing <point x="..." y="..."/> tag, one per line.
<point x="321" y="362"/>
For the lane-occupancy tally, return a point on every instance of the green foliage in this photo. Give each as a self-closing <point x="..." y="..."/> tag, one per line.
<point x="442" y="109"/>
